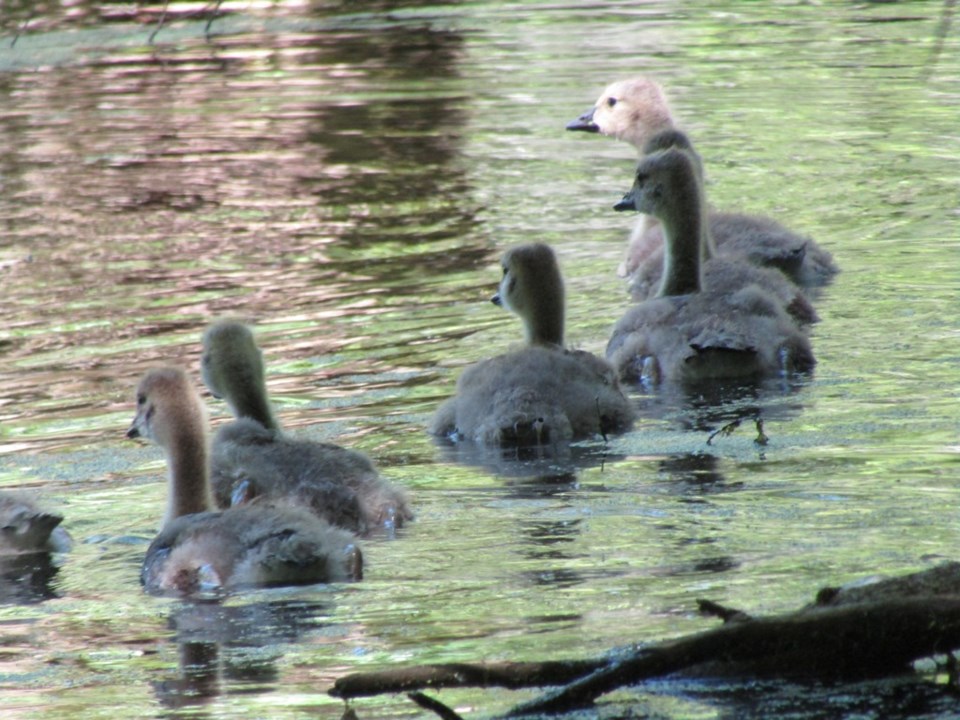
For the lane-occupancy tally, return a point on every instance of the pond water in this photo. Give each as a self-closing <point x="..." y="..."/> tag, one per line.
<point x="345" y="176"/>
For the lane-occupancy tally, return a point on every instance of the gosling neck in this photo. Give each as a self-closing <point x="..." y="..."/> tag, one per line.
<point x="546" y="332"/>
<point x="544" y="323"/>
<point x="686" y="242"/>
<point x="188" y="487"/>
<point x="708" y="249"/>
<point x="249" y="400"/>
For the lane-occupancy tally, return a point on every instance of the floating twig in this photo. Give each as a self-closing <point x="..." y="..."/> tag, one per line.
<point x="434" y="705"/>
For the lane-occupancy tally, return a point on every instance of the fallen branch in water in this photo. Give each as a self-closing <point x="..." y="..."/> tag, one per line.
<point x="434" y="705"/>
<point x="848" y="633"/>
<point x="512" y="675"/>
<point x="845" y="643"/>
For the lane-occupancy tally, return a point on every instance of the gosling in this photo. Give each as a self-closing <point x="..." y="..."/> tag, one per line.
<point x="198" y="549"/>
<point x="687" y="334"/>
<point x="253" y="457"/>
<point x="541" y="394"/>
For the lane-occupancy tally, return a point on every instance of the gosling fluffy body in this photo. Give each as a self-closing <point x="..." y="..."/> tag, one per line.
<point x="542" y="393"/>
<point x="253" y="457"/>
<point x="25" y="528"/>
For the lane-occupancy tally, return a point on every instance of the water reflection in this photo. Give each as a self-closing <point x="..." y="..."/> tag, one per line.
<point x="551" y="546"/>
<point x="406" y="187"/>
<point x="557" y="577"/>
<point x="940" y="35"/>
<point x="195" y="183"/>
<point x="26" y="16"/>
<point x="214" y="642"/>
<point x="542" y="468"/>
<point x="707" y="565"/>
<point x="760" y="699"/>
<point x="549" y="540"/>
<point x="540" y="485"/>
<point x="697" y="472"/>
<point x="710" y="408"/>
<point x="28" y="578"/>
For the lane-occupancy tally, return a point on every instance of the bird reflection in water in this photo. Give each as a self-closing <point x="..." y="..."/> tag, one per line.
<point x="214" y="642"/>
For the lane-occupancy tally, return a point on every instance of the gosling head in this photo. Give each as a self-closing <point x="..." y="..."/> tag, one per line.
<point x="229" y="350"/>
<point x="532" y="288"/>
<point x="663" y="182"/>
<point x="232" y="368"/>
<point x="629" y="110"/>
<point x="673" y="138"/>
<point x="167" y="407"/>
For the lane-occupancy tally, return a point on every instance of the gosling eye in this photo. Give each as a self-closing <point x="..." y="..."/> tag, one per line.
<point x="641" y="178"/>
<point x="141" y="398"/>
<point x="611" y="101"/>
<point x="505" y="271"/>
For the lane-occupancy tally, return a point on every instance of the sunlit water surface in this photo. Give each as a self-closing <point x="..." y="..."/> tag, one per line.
<point x="346" y="181"/>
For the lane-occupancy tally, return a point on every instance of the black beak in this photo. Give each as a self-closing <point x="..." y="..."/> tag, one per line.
<point x="626" y="203"/>
<point x="584" y="123"/>
<point x="133" y="432"/>
<point x="496" y="300"/>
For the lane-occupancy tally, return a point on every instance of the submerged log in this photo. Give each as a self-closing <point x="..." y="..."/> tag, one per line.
<point x="512" y="675"/>
<point x="848" y="642"/>
<point x="866" y="630"/>
<point x="943" y="579"/>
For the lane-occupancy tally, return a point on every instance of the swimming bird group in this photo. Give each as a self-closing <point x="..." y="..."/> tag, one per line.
<point x="717" y="296"/>
<point x="720" y="295"/>
<point x="256" y="507"/>
<point x="714" y="296"/>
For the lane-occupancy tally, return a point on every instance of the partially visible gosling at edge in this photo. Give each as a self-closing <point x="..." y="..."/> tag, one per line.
<point x="687" y="333"/>
<point x="543" y="393"/>
<point x="253" y="457"/>
<point x="198" y="549"/>
<point x="636" y="109"/>
<point x="25" y="528"/>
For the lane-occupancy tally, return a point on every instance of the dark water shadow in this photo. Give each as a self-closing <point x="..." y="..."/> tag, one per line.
<point x="224" y="649"/>
<point x="28" y="578"/>
<point x="541" y="469"/>
<point x="694" y="478"/>
<point x="910" y="697"/>
<point x="551" y="544"/>
<point x="719" y="409"/>
<point x="696" y="473"/>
